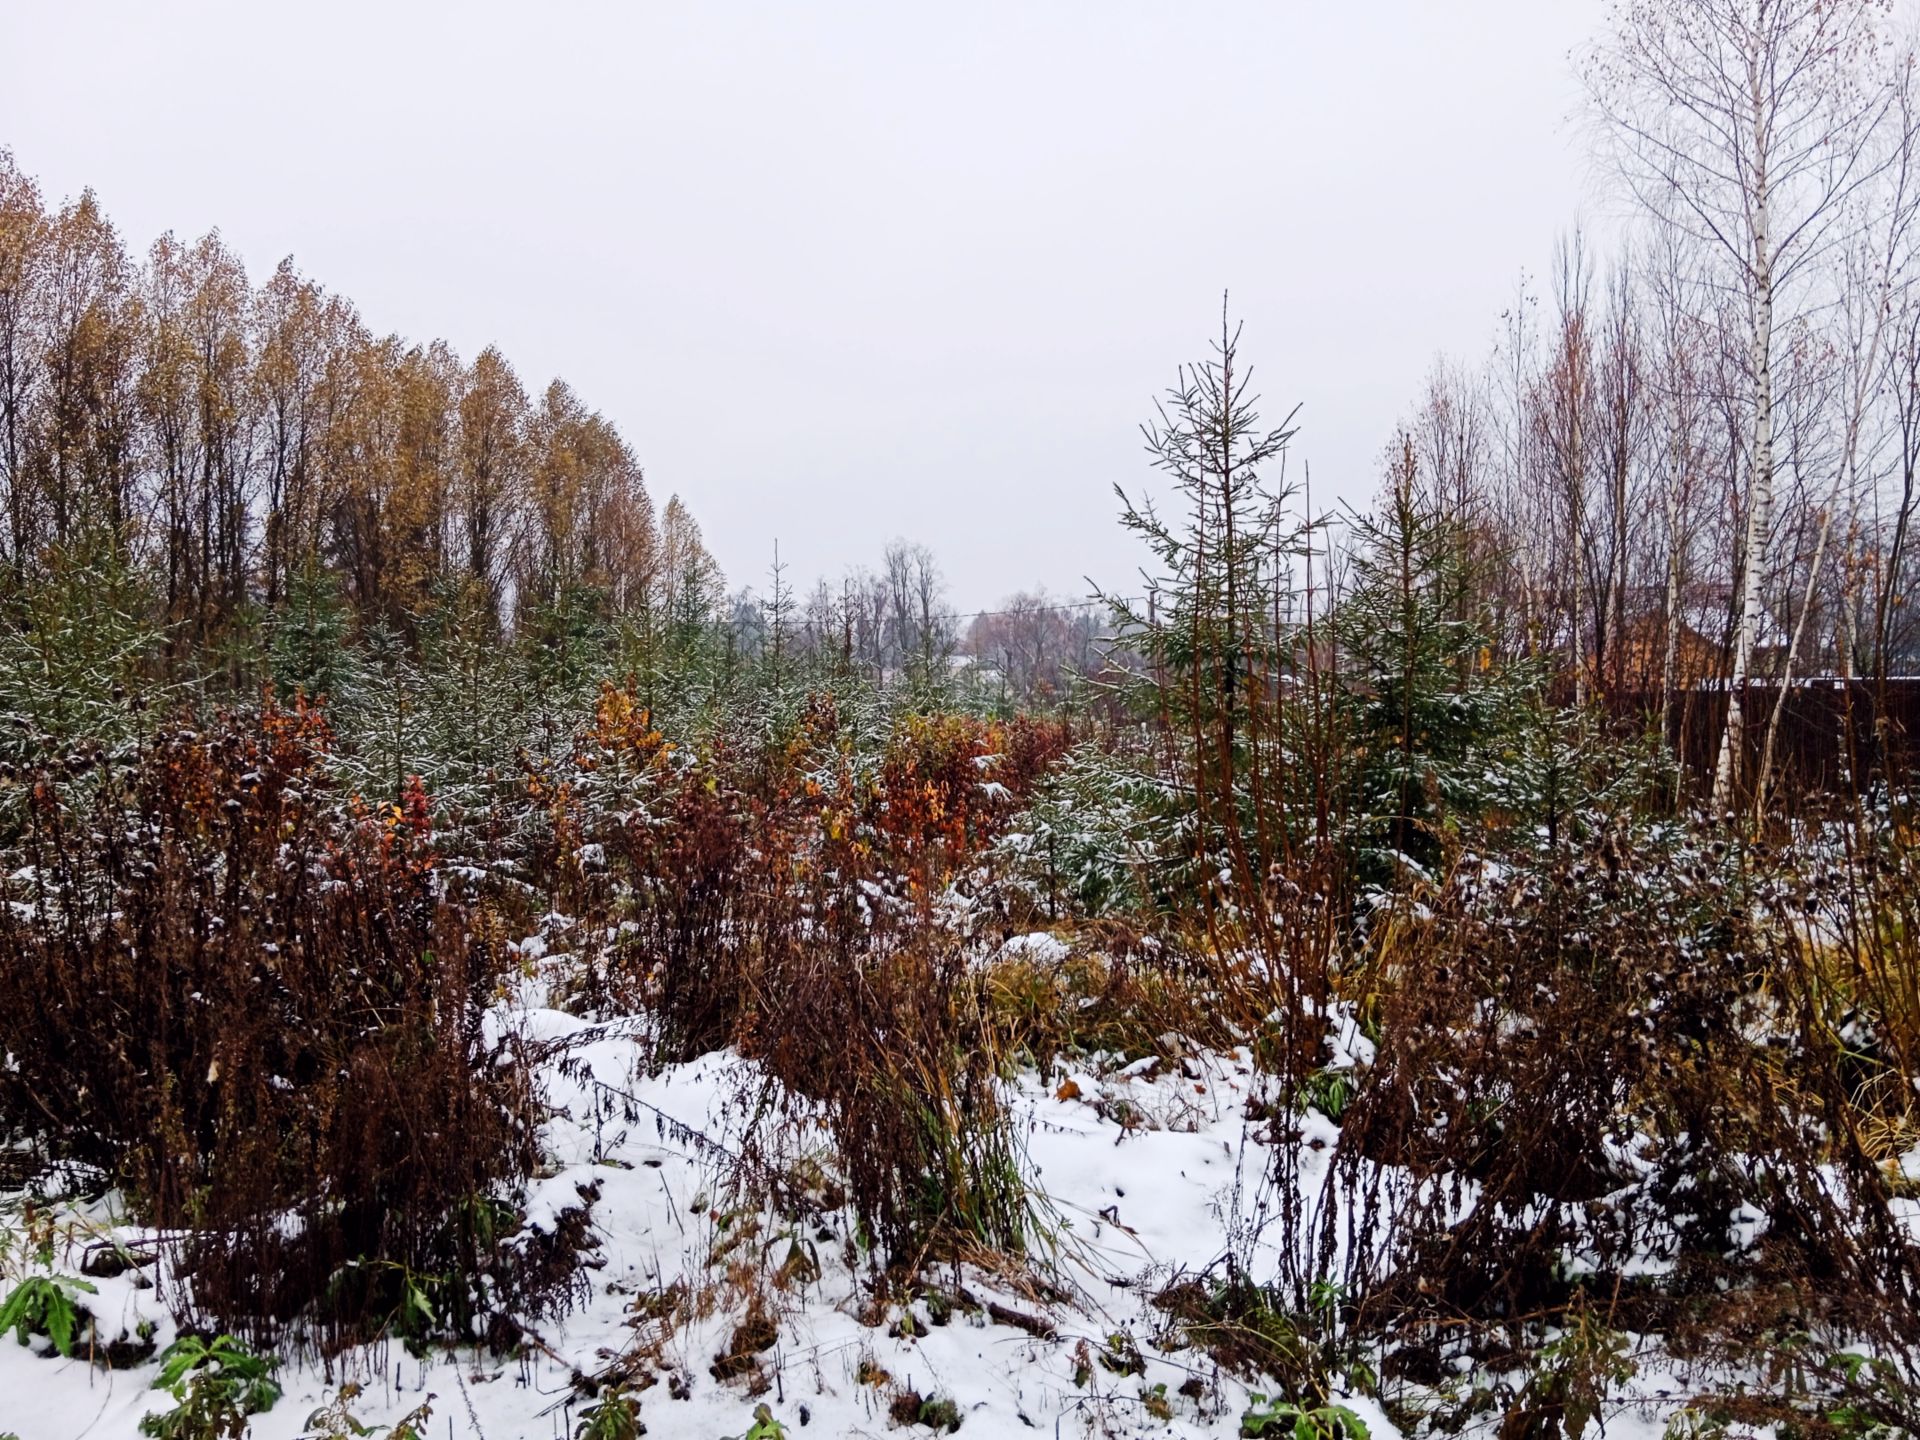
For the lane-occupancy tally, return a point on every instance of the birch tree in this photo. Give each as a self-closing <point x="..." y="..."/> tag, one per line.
<point x="1749" y="125"/>
<point x="1876" y="273"/>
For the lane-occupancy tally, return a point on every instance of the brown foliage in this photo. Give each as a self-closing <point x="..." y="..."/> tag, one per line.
<point x="771" y="901"/>
<point x="1616" y="1062"/>
<point x="261" y="1013"/>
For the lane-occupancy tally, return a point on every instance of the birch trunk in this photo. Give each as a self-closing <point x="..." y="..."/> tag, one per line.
<point x="1760" y="498"/>
<point x="1670" y="658"/>
<point x="1845" y="474"/>
<point x="1765" y="774"/>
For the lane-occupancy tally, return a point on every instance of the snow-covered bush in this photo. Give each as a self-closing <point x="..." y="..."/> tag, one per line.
<point x="1105" y="835"/>
<point x="79" y="655"/>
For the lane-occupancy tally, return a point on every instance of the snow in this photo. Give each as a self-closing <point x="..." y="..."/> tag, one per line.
<point x="1131" y="1205"/>
<point x="1040" y="947"/>
<point x="1134" y="1167"/>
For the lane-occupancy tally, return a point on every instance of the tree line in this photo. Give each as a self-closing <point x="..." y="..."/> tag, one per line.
<point x="1693" y="463"/>
<point x="235" y="447"/>
<point x="224" y="439"/>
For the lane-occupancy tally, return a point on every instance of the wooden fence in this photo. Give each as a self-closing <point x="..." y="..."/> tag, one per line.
<point x="1832" y="738"/>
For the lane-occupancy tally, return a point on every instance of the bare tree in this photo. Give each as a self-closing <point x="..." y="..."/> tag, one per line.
<point x="1620" y="424"/>
<point x="919" y="636"/>
<point x="1682" y="348"/>
<point x="1521" y="502"/>
<point x="1876" y="284"/>
<point x="1750" y="125"/>
<point x="23" y="226"/>
<point x="1563" y="400"/>
<point x="1036" y="642"/>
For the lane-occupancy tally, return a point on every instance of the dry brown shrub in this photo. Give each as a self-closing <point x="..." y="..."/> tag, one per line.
<point x="261" y="1011"/>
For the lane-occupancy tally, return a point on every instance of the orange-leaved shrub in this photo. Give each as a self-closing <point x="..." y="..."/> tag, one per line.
<point x="947" y="782"/>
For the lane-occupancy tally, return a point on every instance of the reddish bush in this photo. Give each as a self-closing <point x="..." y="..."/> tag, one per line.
<point x="260" y="1011"/>
<point x="873" y="1016"/>
<point x="947" y="782"/>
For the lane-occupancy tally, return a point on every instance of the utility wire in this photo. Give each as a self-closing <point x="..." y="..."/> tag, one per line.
<point x="1030" y="609"/>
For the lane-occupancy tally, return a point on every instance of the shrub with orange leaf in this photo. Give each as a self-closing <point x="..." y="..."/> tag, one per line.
<point x="948" y="782"/>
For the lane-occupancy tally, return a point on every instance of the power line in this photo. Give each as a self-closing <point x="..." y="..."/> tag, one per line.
<point x="1041" y="609"/>
<point x="1059" y="609"/>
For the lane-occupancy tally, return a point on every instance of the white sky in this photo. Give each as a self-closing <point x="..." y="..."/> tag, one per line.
<point x="842" y="271"/>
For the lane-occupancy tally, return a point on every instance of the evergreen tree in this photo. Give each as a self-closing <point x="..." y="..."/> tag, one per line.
<point x="383" y="720"/>
<point x="79" y="654"/>
<point x="308" y="650"/>
<point x="475" y="707"/>
<point x="1215" y="630"/>
<point x="565" y="649"/>
<point x="1427" y="715"/>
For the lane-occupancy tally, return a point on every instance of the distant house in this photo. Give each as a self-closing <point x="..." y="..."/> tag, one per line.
<point x="1703" y="648"/>
<point x="1645" y="642"/>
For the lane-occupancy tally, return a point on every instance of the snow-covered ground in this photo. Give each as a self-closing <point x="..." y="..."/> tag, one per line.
<point x="1133" y="1203"/>
<point x="1136" y="1164"/>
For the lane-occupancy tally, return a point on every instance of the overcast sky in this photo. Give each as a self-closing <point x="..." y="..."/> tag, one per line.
<point x="843" y="272"/>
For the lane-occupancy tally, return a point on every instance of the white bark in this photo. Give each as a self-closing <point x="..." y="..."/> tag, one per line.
<point x="1670" y="659"/>
<point x="1751" y="126"/>
<point x="1760" y="491"/>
